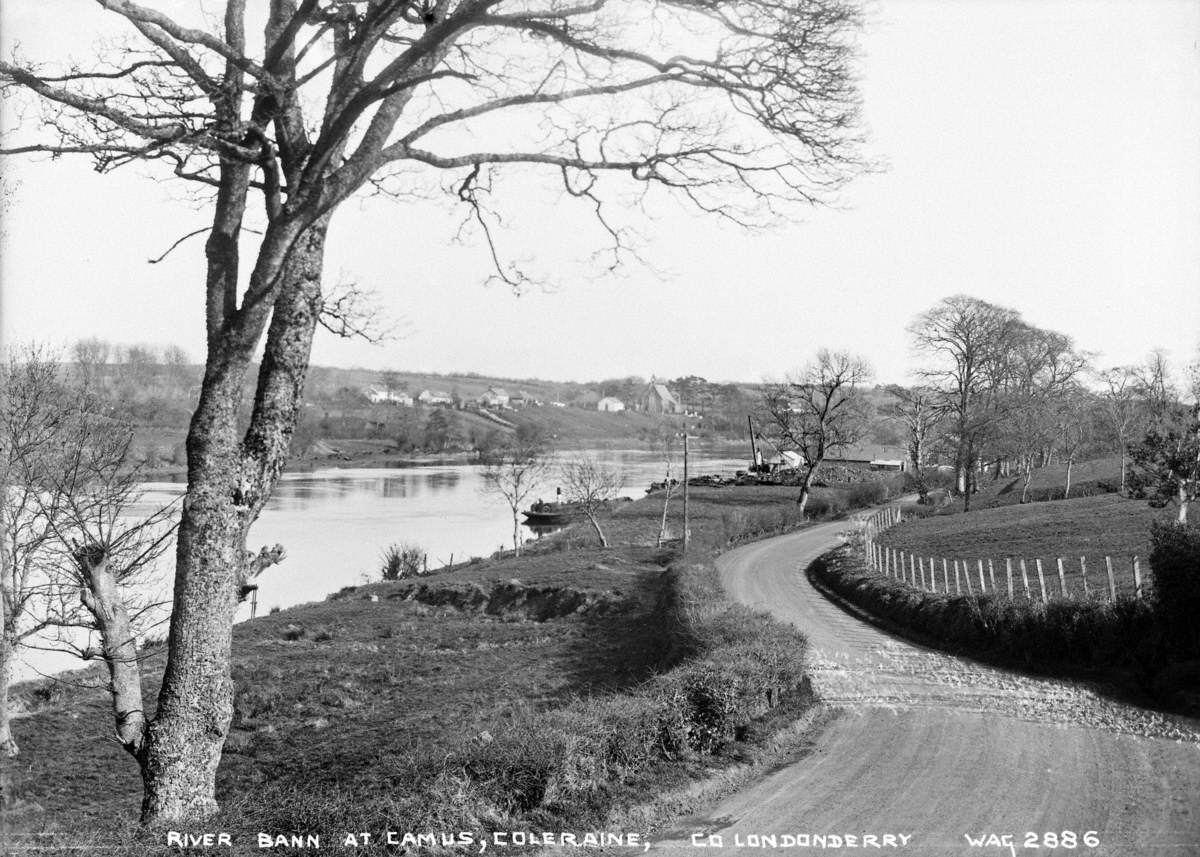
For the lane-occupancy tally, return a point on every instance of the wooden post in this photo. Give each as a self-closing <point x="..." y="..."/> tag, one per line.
<point x="967" y="575"/>
<point x="1062" y="579"/>
<point x="957" y="581"/>
<point x="921" y="567"/>
<point x="1083" y="574"/>
<point x="1008" y="571"/>
<point x="945" y="576"/>
<point x="686" y="534"/>
<point x="992" y="575"/>
<point x="1041" y="578"/>
<point x="425" y="564"/>
<point x="253" y="602"/>
<point x="1025" y="579"/>
<point x="1137" y="577"/>
<point x="982" y="585"/>
<point x="1112" y="581"/>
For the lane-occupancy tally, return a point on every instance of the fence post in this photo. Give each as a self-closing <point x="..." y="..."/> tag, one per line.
<point x="992" y="575"/>
<point x="982" y="585"/>
<point x="1008" y="571"/>
<point x="967" y="575"/>
<point x="1062" y="579"/>
<point x="903" y="570"/>
<point x="921" y="567"/>
<point x="1025" y="579"/>
<point x="1041" y="578"/>
<point x="957" y="582"/>
<point x="1137" y="577"/>
<point x="945" y="576"/>
<point x="1083" y="574"/>
<point x="912" y="569"/>
<point x="1112" y="581"/>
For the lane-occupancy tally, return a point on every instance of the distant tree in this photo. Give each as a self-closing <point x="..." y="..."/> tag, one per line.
<point x="820" y="411"/>
<point x="1167" y="460"/>
<point x="1075" y="416"/>
<point x="392" y="381"/>
<point x="1122" y="409"/>
<point x="592" y="485"/>
<point x="442" y="431"/>
<point x="514" y="472"/>
<point x="90" y="355"/>
<point x="918" y="408"/>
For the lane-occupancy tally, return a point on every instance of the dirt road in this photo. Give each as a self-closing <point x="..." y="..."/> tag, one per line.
<point x="930" y="750"/>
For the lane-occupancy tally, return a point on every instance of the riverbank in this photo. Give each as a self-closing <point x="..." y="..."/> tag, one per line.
<point x="542" y="692"/>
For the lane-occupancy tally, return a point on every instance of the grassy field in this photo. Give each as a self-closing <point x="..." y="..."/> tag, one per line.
<point x="375" y="710"/>
<point x="1099" y="476"/>
<point x="1091" y="527"/>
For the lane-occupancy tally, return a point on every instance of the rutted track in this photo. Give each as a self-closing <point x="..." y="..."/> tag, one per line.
<point x="937" y="747"/>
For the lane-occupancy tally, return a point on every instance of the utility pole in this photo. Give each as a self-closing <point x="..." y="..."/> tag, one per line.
<point x="686" y="531"/>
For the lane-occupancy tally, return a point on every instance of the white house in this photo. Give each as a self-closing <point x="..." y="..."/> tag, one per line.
<point x="434" y="397"/>
<point x="495" y="397"/>
<point x="377" y="395"/>
<point x="611" y="404"/>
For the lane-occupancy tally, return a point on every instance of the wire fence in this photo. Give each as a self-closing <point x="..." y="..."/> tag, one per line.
<point x="1071" y="578"/>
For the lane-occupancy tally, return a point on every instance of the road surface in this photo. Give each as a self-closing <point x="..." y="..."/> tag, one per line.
<point x="931" y="749"/>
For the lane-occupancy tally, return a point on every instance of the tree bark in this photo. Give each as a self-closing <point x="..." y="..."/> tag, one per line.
<point x="806" y="489"/>
<point x="228" y="484"/>
<point x="8" y="744"/>
<point x="1070" y="465"/>
<point x="592" y="519"/>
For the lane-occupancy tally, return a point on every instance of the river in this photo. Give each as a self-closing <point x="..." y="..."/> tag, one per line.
<point x="334" y="524"/>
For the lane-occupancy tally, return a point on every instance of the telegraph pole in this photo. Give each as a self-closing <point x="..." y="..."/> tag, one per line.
<point x="686" y="531"/>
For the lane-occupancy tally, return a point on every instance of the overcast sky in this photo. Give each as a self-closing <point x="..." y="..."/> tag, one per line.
<point x="1040" y="155"/>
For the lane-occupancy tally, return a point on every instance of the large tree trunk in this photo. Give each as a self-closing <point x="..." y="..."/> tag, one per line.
<point x="1070" y="465"/>
<point x="1183" y="503"/>
<point x="8" y="744"/>
<point x="806" y="489"/>
<point x="228" y="484"/>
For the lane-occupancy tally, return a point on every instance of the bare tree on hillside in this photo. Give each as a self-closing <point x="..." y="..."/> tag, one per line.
<point x="921" y="414"/>
<point x="820" y="411"/>
<point x="592" y="485"/>
<point x="737" y="109"/>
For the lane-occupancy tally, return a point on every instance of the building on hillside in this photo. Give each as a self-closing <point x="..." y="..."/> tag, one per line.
<point x="378" y="396"/>
<point x="435" y="397"/>
<point x="495" y="397"/>
<point x="657" y="399"/>
<point x="611" y="404"/>
<point x="521" y="399"/>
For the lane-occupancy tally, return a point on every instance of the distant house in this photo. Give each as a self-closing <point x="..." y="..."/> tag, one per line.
<point x="435" y="397"/>
<point x="377" y="396"/>
<point x="495" y="397"/>
<point x="521" y="399"/>
<point x="611" y="404"/>
<point x="657" y="399"/>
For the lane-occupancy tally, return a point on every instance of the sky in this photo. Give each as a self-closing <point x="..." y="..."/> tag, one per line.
<point x="1043" y="156"/>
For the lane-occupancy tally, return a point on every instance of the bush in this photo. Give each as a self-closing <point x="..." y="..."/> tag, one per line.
<point x="1175" y="558"/>
<point x="402" y="560"/>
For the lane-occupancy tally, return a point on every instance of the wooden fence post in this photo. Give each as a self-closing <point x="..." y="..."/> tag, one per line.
<point x="1041" y="578"/>
<point x="1112" y="581"/>
<point x="1137" y="577"/>
<point x="992" y="575"/>
<point x="967" y="575"/>
<point x="957" y="581"/>
<point x="912" y="569"/>
<point x="1008" y="571"/>
<point x="1025" y="579"/>
<point x="982" y="585"/>
<point x="1062" y="579"/>
<point x="945" y="576"/>
<point x="1083" y="574"/>
<point x="921" y="566"/>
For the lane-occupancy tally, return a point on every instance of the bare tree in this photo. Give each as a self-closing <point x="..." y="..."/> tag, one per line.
<point x="1167" y="459"/>
<point x="1075" y="420"/>
<point x="735" y="108"/>
<point x="69" y="491"/>
<point x="820" y="411"/>
<point x="514" y="472"/>
<point x="921" y="414"/>
<point x="968" y="342"/>
<point x="1123" y="411"/>
<point x="592" y="485"/>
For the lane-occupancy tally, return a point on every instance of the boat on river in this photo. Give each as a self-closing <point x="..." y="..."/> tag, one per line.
<point x="543" y="514"/>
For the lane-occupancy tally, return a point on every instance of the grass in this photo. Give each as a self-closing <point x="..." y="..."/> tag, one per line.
<point x="376" y="710"/>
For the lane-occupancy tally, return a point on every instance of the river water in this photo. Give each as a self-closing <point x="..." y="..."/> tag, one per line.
<point x="335" y="523"/>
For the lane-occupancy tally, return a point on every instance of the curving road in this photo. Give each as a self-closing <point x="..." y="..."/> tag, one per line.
<point x="936" y="748"/>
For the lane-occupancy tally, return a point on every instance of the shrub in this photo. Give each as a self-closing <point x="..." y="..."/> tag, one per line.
<point x="1175" y="558"/>
<point x="402" y="560"/>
